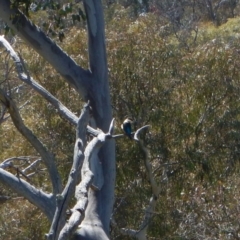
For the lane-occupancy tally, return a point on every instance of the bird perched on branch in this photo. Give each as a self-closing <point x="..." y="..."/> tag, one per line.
<point x="127" y="127"/>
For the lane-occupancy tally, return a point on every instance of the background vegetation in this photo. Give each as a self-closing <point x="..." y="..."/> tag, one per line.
<point x="175" y="67"/>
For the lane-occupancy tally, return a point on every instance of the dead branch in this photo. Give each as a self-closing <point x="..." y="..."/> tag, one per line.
<point x="64" y="198"/>
<point x="42" y="200"/>
<point x="90" y="171"/>
<point x="140" y="234"/>
<point x="24" y="76"/>
<point x="47" y="156"/>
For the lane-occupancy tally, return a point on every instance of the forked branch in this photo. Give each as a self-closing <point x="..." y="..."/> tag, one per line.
<point x="64" y="198"/>
<point x="47" y="156"/>
<point x="88" y="173"/>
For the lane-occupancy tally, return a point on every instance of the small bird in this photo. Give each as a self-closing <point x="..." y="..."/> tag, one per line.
<point x="127" y="127"/>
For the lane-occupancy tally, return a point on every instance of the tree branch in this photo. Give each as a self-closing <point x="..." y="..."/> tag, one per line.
<point x="65" y="197"/>
<point x="149" y="211"/>
<point x="8" y="162"/>
<point x="97" y="62"/>
<point x="140" y="234"/>
<point x="33" y="164"/>
<point x="124" y="231"/>
<point x="64" y="112"/>
<point x="43" y="201"/>
<point x="49" y="50"/>
<point x="47" y="157"/>
<point x="2" y="113"/>
<point x="81" y="193"/>
<point x="20" y="67"/>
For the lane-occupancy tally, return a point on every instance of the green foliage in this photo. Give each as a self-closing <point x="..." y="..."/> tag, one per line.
<point x="23" y="221"/>
<point x="22" y="4"/>
<point x="55" y="18"/>
<point x="190" y="97"/>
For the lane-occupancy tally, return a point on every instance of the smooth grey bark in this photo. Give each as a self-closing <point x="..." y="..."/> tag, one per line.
<point x="101" y="201"/>
<point x="46" y="202"/>
<point x="59" y="220"/>
<point x="43" y="201"/>
<point x="92" y="84"/>
<point x="41" y="43"/>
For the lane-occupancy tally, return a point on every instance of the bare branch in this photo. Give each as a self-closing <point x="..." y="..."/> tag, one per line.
<point x="90" y="169"/>
<point x="24" y="76"/>
<point x="124" y="231"/>
<point x="136" y="135"/>
<point x="63" y="111"/>
<point x="48" y="49"/>
<point x="47" y="157"/>
<point x="140" y="234"/>
<point x="81" y="194"/>
<point x="43" y="201"/>
<point x="9" y="161"/>
<point x="4" y="119"/>
<point x="64" y="198"/>
<point x="118" y="135"/>
<point x="149" y="211"/>
<point x="82" y="124"/>
<point x="2" y="113"/>
<point x="136" y="234"/>
<point x="32" y="165"/>
<point x="111" y="127"/>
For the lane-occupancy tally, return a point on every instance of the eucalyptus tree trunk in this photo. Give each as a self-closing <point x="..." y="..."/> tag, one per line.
<point x="92" y="85"/>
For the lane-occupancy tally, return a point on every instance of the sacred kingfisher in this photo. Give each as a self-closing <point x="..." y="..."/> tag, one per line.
<point x="127" y="127"/>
